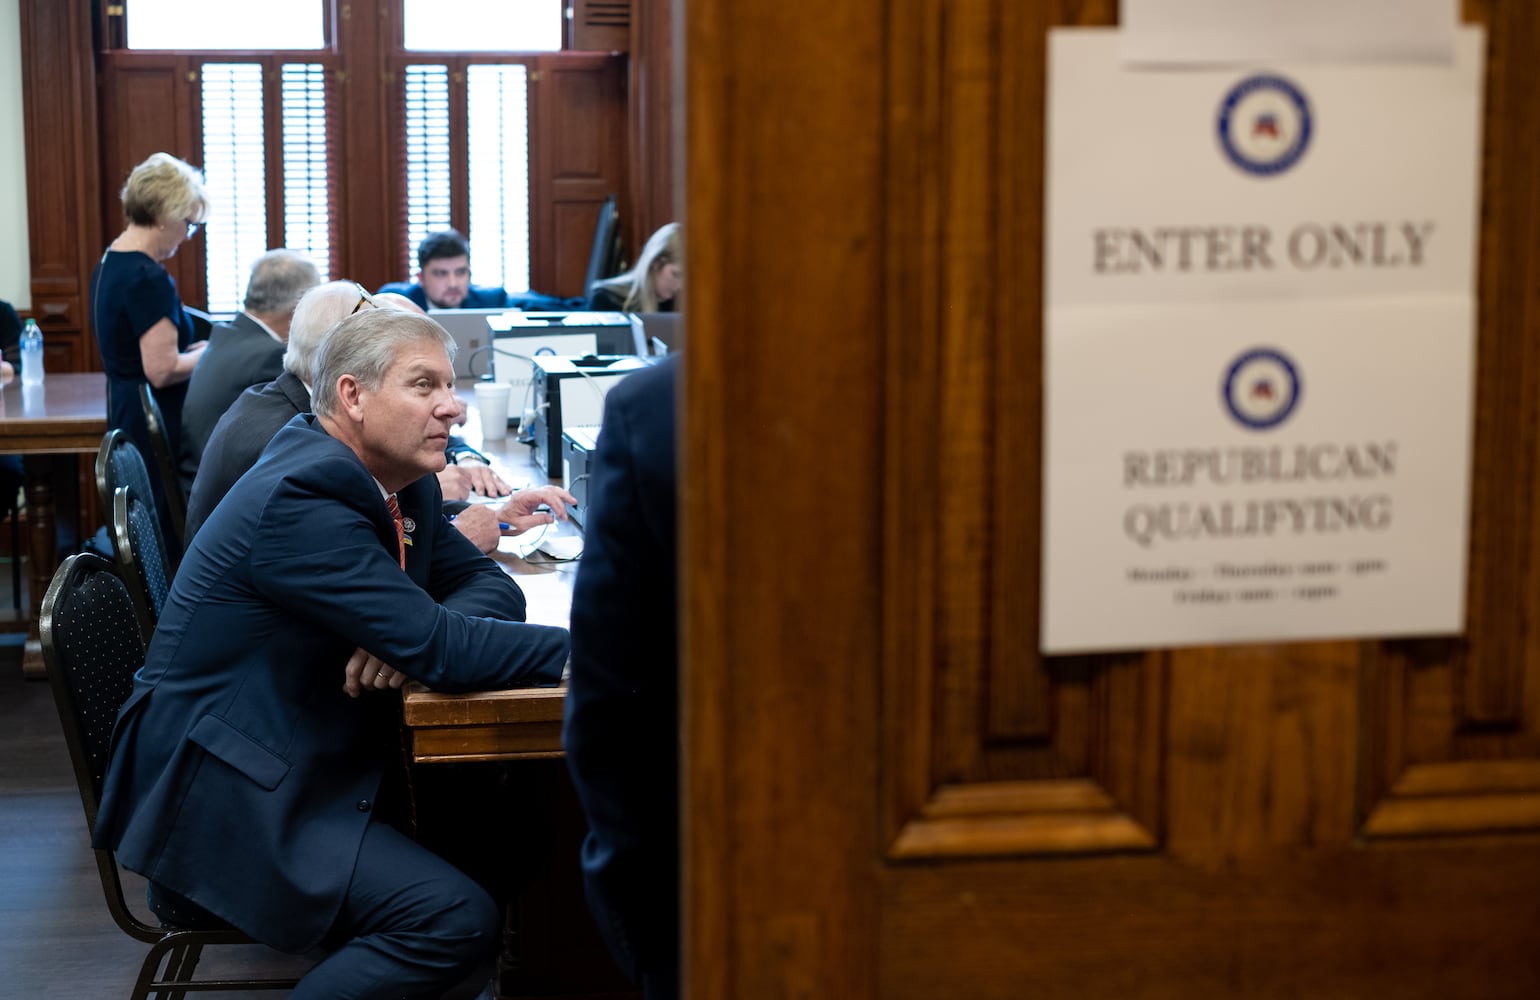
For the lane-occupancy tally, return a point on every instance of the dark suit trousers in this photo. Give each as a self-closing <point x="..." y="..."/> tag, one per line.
<point x="412" y="926"/>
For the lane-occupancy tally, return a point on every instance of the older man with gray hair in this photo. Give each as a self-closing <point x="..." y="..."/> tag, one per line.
<point x="256" y="416"/>
<point x="252" y="765"/>
<point x="246" y="351"/>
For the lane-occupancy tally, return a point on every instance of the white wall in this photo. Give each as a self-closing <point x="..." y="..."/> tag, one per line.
<point x="15" y="265"/>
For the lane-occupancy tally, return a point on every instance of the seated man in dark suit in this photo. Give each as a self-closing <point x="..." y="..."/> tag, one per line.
<point x="250" y="423"/>
<point x="244" y="352"/>
<point x="444" y="281"/>
<point x="243" y="777"/>
<point x="621" y="727"/>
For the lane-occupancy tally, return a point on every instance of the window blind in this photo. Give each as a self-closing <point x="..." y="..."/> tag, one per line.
<point x="306" y="166"/>
<point x="427" y="155"/>
<point x="235" y="174"/>
<point x="498" y="115"/>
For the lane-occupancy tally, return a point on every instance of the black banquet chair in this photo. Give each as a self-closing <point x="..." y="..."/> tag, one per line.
<point x="120" y="463"/>
<point x="91" y="648"/>
<point x="165" y="461"/>
<point x="141" y="556"/>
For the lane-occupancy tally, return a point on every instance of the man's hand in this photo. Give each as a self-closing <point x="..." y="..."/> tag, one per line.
<point x="455" y="484"/>
<point x="521" y="514"/>
<point x="480" y="524"/>
<point x="482" y="479"/>
<point x="365" y="671"/>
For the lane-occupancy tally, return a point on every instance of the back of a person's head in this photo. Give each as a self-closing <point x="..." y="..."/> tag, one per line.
<point x="364" y="345"/>
<point x="278" y="279"/>
<point x="666" y="246"/>
<point x="164" y="188"/>
<point x="319" y="309"/>
<point x="441" y="245"/>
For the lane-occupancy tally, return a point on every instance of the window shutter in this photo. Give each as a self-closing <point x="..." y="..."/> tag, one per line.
<point x="235" y="174"/>
<point x="426" y="97"/>
<point x="307" y="177"/>
<point x="498" y="113"/>
<point x="601" y="25"/>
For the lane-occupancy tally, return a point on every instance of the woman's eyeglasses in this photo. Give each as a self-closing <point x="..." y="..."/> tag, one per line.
<point x="192" y="229"/>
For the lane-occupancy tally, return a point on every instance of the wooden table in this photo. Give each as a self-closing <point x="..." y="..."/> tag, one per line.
<point x="66" y="415"/>
<point x="517" y="724"/>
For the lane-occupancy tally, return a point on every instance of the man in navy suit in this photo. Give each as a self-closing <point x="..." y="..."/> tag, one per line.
<point x="244" y="352"/>
<point x="243" y="777"/>
<point x="621" y="727"/>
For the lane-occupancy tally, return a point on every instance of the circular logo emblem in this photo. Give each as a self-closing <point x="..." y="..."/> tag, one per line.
<point x="1261" y="388"/>
<point x="1264" y="125"/>
<point x="408" y="525"/>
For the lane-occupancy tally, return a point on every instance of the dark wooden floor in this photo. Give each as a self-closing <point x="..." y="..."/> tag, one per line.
<point x="56" y="936"/>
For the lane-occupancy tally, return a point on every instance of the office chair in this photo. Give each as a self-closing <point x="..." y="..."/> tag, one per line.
<point x="165" y="461"/>
<point x="91" y="648"/>
<point x="141" y="556"/>
<point x="119" y="463"/>
<point x="604" y="255"/>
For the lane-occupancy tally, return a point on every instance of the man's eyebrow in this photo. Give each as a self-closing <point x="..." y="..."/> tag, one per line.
<point x="421" y="369"/>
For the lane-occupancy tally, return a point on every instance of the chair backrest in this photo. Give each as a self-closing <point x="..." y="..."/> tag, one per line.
<point x="91" y="648"/>
<point x="165" y="461"/>
<point x="605" y="253"/>
<point x="141" y="555"/>
<point x="119" y="463"/>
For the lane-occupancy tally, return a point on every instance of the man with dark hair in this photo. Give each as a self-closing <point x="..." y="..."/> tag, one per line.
<point x="250" y="766"/>
<point x="444" y="277"/>
<point x="244" y="352"/>
<point x="444" y="281"/>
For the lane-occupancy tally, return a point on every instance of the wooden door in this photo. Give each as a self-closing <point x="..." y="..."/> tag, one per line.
<point x="888" y="791"/>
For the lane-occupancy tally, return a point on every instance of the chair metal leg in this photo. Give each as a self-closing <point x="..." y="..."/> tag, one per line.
<point x="180" y="967"/>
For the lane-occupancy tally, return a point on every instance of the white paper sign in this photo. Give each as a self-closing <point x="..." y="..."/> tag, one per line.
<point x="1237" y="32"/>
<point x="1259" y="336"/>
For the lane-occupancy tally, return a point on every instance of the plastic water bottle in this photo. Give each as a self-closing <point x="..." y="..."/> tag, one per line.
<point x="31" y="354"/>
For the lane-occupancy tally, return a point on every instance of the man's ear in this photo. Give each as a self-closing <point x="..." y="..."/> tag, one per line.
<point x="350" y="396"/>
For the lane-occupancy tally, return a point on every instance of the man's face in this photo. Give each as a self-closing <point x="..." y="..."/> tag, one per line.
<point x="445" y="281"/>
<point x="406" y="420"/>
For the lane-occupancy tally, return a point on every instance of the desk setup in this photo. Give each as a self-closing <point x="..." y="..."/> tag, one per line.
<point x="516" y="724"/>
<point x="65" y="416"/>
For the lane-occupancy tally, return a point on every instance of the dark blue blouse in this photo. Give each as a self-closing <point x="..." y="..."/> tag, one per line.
<point x="129" y="294"/>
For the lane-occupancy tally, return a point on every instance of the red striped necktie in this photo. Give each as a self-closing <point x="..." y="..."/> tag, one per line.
<point x="395" y="515"/>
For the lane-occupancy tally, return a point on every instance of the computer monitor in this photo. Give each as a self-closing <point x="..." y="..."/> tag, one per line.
<point x="517" y="337"/>
<point x="663" y="333"/>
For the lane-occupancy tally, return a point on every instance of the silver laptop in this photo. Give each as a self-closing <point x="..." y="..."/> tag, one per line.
<point x="472" y="336"/>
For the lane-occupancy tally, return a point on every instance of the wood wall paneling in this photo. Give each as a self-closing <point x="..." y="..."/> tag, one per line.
<point x="1452" y="727"/>
<point x="59" y="117"/>
<point x="1350" y="819"/>
<point x="579" y="116"/>
<point x="783" y="396"/>
<point x="601" y="25"/>
<point x="151" y="104"/>
<point x="993" y="749"/>
<point x="655" y="156"/>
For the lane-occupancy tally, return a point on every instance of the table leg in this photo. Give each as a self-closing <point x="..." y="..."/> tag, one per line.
<point x="42" y="550"/>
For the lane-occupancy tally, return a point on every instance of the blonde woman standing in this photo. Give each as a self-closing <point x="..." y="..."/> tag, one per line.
<point x="141" y="328"/>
